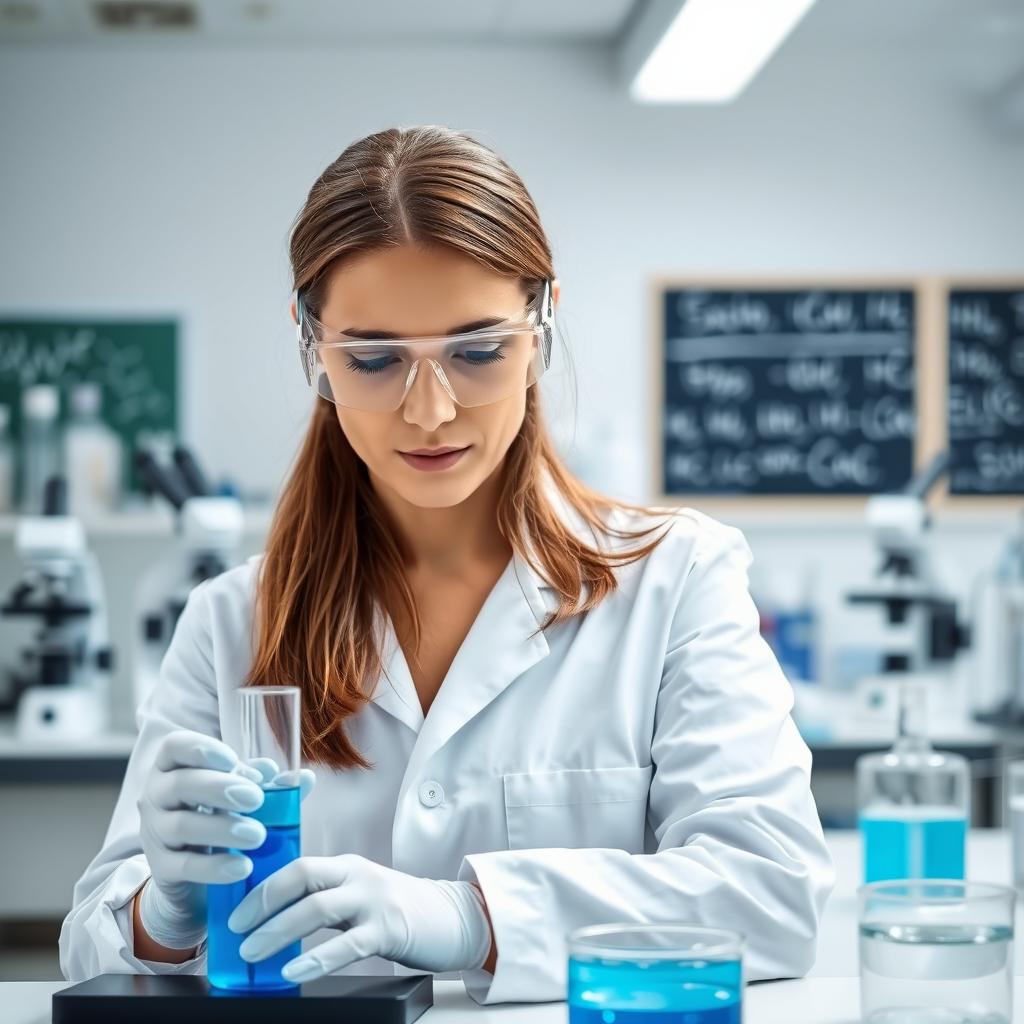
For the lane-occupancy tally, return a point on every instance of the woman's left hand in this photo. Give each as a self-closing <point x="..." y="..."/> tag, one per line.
<point x="424" y="924"/>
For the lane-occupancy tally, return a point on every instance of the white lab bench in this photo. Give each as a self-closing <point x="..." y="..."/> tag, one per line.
<point x="828" y="995"/>
<point x="808" y="1001"/>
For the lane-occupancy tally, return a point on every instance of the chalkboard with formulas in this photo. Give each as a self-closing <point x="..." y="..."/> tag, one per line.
<point x="133" y="359"/>
<point x="986" y="390"/>
<point x="787" y="390"/>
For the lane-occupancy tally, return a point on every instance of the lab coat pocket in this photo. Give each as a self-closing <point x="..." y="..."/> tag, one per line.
<point x="578" y="807"/>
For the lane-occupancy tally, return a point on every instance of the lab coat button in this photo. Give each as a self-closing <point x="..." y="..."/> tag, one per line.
<point x="431" y="793"/>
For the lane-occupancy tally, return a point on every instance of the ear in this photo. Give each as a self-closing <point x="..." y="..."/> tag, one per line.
<point x="556" y="289"/>
<point x="294" y="312"/>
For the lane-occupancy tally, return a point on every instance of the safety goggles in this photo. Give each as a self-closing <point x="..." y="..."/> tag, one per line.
<point x="475" y="368"/>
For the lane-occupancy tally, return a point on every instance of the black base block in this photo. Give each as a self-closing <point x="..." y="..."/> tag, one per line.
<point x="190" y="999"/>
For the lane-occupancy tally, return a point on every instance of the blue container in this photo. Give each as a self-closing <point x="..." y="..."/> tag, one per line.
<point x="917" y="844"/>
<point x="649" y="974"/>
<point x="224" y="967"/>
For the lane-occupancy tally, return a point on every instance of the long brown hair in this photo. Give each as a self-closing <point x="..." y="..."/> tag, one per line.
<point x="330" y="558"/>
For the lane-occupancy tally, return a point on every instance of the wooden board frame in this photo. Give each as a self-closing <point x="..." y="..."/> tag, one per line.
<point x="938" y="294"/>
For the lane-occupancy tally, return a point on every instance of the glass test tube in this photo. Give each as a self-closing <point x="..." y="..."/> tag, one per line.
<point x="269" y="722"/>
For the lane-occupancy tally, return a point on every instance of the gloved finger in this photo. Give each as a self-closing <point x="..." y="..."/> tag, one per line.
<point x="332" y="908"/>
<point x="189" y="787"/>
<point x="185" y="748"/>
<point x="301" y="777"/>
<point x="356" y="944"/>
<point x="265" y="766"/>
<point x="177" y="829"/>
<point x="288" y="884"/>
<point x="209" y="868"/>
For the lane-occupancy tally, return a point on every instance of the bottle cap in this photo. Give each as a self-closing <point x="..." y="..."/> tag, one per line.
<point x="40" y="402"/>
<point x="86" y="398"/>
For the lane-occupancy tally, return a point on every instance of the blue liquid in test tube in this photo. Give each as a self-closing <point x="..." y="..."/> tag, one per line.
<point x="279" y="813"/>
<point x="654" y="992"/>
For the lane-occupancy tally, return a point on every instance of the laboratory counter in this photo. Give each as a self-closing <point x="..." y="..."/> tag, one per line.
<point x="828" y="995"/>
<point x="806" y="1001"/>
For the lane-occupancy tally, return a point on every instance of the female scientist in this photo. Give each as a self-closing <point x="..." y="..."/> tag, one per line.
<point x="529" y="707"/>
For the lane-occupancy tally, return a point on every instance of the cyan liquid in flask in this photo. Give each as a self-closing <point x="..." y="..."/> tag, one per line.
<point x="270" y="722"/>
<point x="655" y="974"/>
<point x="913" y="802"/>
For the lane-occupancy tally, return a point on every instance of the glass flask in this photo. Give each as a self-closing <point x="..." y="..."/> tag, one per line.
<point x="913" y="802"/>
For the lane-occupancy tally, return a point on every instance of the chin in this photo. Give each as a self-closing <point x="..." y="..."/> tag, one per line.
<point x="437" y="497"/>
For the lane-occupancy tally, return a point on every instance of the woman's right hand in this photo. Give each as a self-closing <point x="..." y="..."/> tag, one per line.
<point x="192" y="769"/>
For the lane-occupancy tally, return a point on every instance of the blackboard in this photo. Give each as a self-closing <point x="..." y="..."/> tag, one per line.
<point x="135" y="362"/>
<point x="986" y="390"/>
<point x="788" y="391"/>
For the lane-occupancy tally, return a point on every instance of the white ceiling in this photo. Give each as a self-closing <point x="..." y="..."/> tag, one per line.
<point x="339" y="21"/>
<point x="977" y="43"/>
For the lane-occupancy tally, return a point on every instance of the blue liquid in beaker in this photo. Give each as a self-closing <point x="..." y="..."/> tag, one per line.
<point x="224" y="967"/>
<point x="913" y="842"/>
<point x="654" y="991"/>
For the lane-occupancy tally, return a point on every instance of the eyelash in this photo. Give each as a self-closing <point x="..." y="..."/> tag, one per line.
<point x="356" y="365"/>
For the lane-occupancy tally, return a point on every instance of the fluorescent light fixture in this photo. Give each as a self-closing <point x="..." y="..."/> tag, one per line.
<point x="710" y="49"/>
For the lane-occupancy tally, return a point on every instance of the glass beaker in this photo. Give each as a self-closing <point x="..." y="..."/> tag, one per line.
<point x="1015" y="817"/>
<point x="269" y="718"/>
<point x="935" y="951"/>
<point x="655" y="974"/>
<point x="913" y="802"/>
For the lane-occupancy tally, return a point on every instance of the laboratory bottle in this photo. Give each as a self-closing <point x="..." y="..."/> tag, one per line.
<point x="6" y="463"/>
<point x="785" y="601"/>
<point x="913" y="802"/>
<point x="92" y="454"/>
<point x="40" y="444"/>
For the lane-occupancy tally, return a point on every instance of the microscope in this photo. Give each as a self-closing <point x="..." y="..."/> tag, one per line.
<point x="62" y="682"/>
<point x="998" y="690"/>
<point x="209" y="530"/>
<point x="924" y="633"/>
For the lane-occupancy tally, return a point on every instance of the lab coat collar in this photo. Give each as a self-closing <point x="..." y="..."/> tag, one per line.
<point x="503" y="643"/>
<point x="499" y="647"/>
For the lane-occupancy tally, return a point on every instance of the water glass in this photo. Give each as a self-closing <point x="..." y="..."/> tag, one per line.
<point x="269" y="723"/>
<point x="655" y="974"/>
<point x="936" y="951"/>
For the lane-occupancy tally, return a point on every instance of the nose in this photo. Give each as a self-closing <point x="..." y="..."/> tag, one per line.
<point x="427" y="403"/>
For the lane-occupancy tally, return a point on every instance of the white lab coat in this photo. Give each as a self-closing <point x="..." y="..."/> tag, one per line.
<point x="637" y="763"/>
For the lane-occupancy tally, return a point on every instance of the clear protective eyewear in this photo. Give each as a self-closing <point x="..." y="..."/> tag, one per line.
<point x="475" y="368"/>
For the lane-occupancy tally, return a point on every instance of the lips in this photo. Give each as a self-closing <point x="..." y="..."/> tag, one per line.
<point x="431" y="460"/>
<point x="433" y="452"/>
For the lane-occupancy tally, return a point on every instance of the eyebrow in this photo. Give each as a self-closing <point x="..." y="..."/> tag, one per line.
<point x="475" y="325"/>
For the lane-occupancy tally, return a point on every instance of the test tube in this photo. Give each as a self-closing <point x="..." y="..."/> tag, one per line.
<point x="269" y="740"/>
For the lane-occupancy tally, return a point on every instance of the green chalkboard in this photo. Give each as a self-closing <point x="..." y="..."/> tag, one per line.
<point x="134" y="360"/>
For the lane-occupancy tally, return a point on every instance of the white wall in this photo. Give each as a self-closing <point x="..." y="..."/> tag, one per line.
<point x="170" y="177"/>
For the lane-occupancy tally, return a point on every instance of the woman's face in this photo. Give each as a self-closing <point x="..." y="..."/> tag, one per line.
<point x="408" y="291"/>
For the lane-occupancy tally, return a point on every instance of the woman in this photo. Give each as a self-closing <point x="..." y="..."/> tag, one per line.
<point x="529" y="707"/>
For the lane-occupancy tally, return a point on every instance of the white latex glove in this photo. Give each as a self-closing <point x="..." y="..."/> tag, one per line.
<point x="424" y="924"/>
<point x="192" y="769"/>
